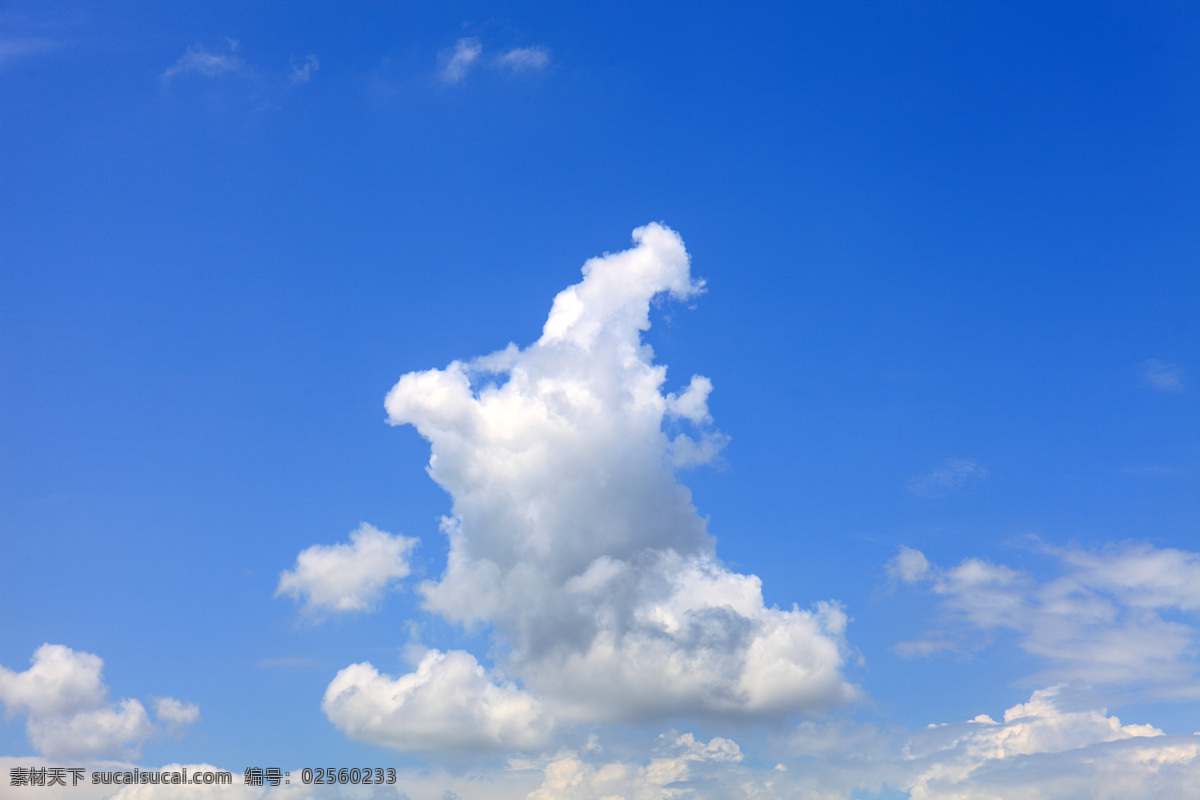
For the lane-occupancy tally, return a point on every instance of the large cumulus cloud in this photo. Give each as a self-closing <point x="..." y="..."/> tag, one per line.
<point x="571" y="536"/>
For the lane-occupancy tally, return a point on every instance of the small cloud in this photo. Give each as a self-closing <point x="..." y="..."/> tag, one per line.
<point x="909" y="565"/>
<point x="347" y="577"/>
<point x="524" y="59"/>
<point x="458" y="62"/>
<point x="177" y="715"/>
<point x="953" y="476"/>
<point x="199" y="60"/>
<point x="1162" y="376"/>
<point x="302" y="73"/>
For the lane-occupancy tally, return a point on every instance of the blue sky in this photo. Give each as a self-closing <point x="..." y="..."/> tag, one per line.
<point x="939" y="267"/>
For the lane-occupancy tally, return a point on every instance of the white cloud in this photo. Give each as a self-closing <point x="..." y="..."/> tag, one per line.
<point x="1100" y="620"/>
<point x="1054" y="746"/>
<point x="64" y="696"/>
<point x="347" y="577"/>
<point x="447" y="703"/>
<point x="524" y="59"/>
<point x="1057" y="745"/>
<point x="467" y="53"/>
<point x="1038" y="726"/>
<point x="119" y="728"/>
<point x="571" y="536"/>
<point x="1162" y="376"/>
<point x="458" y="62"/>
<point x="954" y="475"/>
<point x="1141" y="575"/>
<point x="302" y="73"/>
<point x="1045" y="749"/>
<point x="569" y="777"/>
<point x="908" y="565"/>
<point x="199" y="60"/>
<point x="176" y="714"/>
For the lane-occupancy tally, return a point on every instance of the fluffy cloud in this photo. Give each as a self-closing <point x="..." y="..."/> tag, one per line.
<point x="952" y="476"/>
<point x="568" y="777"/>
<point x="457" y="63"/>
<point x="1054" y="746"/>
<point x="571" y="536"/>
<point x="448" y="703"/>
<point x="1057" y="745"/>
<point x="176" y="714"/>
<point x="1101" y="620"/>
<point x="347" y="577"/>
<point x="1039" y="726"/>
<point x="64" y="696"/>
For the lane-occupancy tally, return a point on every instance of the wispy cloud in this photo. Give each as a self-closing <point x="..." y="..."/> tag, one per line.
<point x="14" y="49"/>
<point x="199" y="60"/>
<point x="467" y="54"/>
<point x="1162" y="376"/>
<point x="302" y="73"/>
<point x="459" y="61"/>
<point x="1108" y="617"/>
<point x="954" y="475"/>
<point x="524" y="59"/>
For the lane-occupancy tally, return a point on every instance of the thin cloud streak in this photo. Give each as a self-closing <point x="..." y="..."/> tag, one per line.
<point x="524" y="59"/>
<point x="955" y="475"/>
<point x="1163" y="376"/>
<point x="13" y="49"/>
<point x="199" y="60"/>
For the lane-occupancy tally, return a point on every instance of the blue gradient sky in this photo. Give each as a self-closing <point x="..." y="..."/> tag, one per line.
<point x="952" y="261"/>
